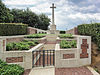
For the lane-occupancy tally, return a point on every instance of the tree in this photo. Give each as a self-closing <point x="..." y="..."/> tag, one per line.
<point x="45" y="22"/>
<point x="17" y="15"/>
<point x="28" y="17"/>
<point x="5" y="16"/>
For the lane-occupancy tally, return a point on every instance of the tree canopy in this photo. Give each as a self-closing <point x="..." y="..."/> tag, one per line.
<point x="5" y="16"/>
<point x="40" y="21"/>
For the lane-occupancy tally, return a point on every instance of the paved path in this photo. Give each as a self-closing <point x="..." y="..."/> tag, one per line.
<point x="73" y="71"/>
<point x="61" y="71"/>
<point x="43" y="71"/>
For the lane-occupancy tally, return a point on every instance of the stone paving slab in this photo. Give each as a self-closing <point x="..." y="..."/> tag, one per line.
<point x="43" y="71"/>
<point x="61" y="71"/>
<point x="73" y="71"/>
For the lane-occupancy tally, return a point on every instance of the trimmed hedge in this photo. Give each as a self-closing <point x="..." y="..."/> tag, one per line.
<point x="91" y="30"/>
<point x="8" y="29"/>
<point x="11" y="69"/>
<point x="62" y="32"/>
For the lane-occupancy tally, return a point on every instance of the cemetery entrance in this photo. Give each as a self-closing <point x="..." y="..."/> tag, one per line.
<point x="42" y="58"/>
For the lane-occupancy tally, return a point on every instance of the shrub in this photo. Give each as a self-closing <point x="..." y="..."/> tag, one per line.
<point x="31" y="43"/>
<point x="91" y="30"/>
<point x="9" y="46"/>
<point x="21" y="46"/>
<point x="36" y="36"/>
<point x="24" y="45"/>
<point x="36" y="42"/>
<point x="8" y="29"/>
<point x="62" y="32"/>
<point x="68" y="44"/>
<point x="11" y="69"/>
<point x="65" y="36"/>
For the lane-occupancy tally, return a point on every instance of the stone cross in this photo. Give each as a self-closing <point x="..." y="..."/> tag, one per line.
<point x="53" y="13"/>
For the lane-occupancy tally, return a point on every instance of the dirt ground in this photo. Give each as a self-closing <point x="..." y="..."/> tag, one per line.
<point x="95" y="57"/>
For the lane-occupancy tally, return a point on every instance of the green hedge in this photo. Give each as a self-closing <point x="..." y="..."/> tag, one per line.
<point x="91" y="30"/>
<point x="62" y="32"/>
<point x="8" y="29"/>
<point x="11" y="69"/>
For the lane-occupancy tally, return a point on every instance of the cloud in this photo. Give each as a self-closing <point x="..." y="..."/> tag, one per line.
<point x="68" y="14"/>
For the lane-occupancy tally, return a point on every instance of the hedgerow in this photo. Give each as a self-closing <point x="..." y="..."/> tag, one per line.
<point x="8" y="29"/>
<point x="92" y="30"/>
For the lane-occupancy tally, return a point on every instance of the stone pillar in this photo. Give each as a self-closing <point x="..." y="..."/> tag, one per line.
<point x="84" y="49"/>
<point x="2" y="45"/>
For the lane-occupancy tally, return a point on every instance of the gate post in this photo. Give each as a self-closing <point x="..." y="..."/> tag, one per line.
<point x="43" y="58"/>
<point x="2" y="45"/>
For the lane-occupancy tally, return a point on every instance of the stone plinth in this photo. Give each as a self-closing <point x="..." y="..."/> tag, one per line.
<point x="53" y="31"/>
<point x="52" y="27"/>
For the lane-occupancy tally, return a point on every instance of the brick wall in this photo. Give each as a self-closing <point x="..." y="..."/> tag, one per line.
<point x="14" y="59"/>
<point x="31" y="30"/>
<point x="67" y="56"/>
<point x="73" y="31"/>
<point x="84" y="47"/>
<point x="15" y="39"/>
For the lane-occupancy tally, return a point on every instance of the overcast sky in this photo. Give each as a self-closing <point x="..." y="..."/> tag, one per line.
<point x="68" y="14"/>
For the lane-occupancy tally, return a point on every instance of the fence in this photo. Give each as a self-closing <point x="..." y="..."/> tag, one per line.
<point x="42" y="58"/>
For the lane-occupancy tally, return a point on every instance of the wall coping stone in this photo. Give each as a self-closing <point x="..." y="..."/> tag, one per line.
<point x="12" y="36"/>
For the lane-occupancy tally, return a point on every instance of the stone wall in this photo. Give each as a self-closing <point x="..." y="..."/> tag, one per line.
<point x="73" y="31"/>
<point x="74" y="57"/>
<point x="31" y="30"/>
<point x="23" y="58"/>
<point x="41" y="31"/>
<point x="14" y="39"/>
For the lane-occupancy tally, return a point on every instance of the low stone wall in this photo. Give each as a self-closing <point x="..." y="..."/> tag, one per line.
<point x="58" y="40"/>
<point x="41" y="31"/>
<point x="23" y="58"/>
<point x="74" y="57"/>
<point x="17" y="39"/>
<point x="31" y="30"/>
<point x="40" y="40"/>
<point x="10" y="39"/>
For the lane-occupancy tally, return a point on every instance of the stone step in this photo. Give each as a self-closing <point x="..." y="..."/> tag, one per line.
<point x="49" y="46"/>
<point x="51" y="37"/>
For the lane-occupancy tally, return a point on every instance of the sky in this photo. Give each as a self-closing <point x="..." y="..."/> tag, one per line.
<point x="68" y="13"/>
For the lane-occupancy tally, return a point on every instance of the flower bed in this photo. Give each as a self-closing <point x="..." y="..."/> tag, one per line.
<point x="36" y="36"/>
<point x="24" y="45"/>
<point x="68" y="44"/>
<point x="11" y="69"/>
<point x="66" y="36"/>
